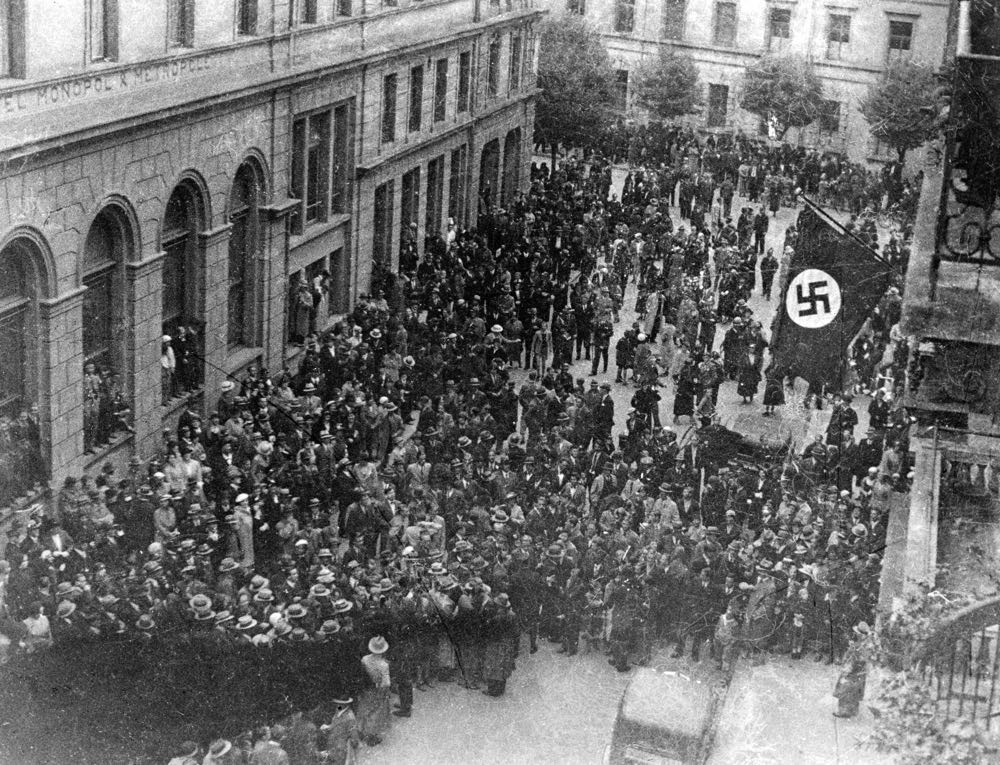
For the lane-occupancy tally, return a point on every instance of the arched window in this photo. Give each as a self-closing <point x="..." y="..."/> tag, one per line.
<point x="489" y="172"/>
<point x="18" y="330"/>
<point x="104" y="257"/>
<point x="511" y="165"/>
<point x="21" y="286"/>
<point x="244" y="244"/>
<point x="182" y="320"/>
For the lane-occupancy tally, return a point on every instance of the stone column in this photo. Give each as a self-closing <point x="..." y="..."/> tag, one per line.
<point x="60" y="400"/>
<point x="272" y="265"/>
<point x="213" y="246"/>
<point x="144" y="314"/>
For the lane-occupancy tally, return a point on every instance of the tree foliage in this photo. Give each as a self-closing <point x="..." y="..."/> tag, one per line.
<point x="668" y="85"/>
<point x="785" y="91"/>
<point x="902" y="107"/>
<point x="576" y="82"/>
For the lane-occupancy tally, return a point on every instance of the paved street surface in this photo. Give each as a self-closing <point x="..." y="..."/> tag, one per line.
<point x="556" y="710"/>
<point x="781" y="713"/>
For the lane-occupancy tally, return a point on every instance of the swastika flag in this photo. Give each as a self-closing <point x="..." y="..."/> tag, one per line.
<point x="828" y="290"/>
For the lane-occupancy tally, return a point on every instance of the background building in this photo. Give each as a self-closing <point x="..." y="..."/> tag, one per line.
<point x="849" y="42"/>
<point x="169" y="164"/>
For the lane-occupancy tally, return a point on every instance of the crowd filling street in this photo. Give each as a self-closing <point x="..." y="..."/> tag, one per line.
<point x="443" y="480"/>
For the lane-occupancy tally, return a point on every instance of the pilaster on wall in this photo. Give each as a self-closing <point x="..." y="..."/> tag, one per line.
<point x="61" y="394"/>
<point x="214" y="305"/>
<point x="921" y="534"/>
<point x="273" y="268"/>
<point x="145" y="319"/>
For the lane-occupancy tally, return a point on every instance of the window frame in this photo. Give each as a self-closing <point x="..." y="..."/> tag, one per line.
<point x="464" y="81"/>
<point x="624" y="17"/>
<point x="457" y="183"/>
<point x="493" y="54"/>
<point x="836" y="48"/>
<point x="435" y="196"/>
<point x="729" y="40"/>
<point x="830" y="120"/>
<point x="670" y="20"/>
<point x="710" y="121"/>
<point x="895" y="54"/>
<point x="409" y="202"/>
<point x="621" y="93"/>
<point x="514" y="62"/>
<point x="180" y="23"/>
<point x="785" y="26"/>
<point x="576" y="7"/>
<point x="382" y="231"/>
<point x="415" y="114"/>
<point x="247" y="15"/>
<point x="440" y="110"/>
<point x="390" y="98"/>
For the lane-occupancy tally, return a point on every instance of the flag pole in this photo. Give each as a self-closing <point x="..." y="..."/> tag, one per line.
<point x="836" y="224"/>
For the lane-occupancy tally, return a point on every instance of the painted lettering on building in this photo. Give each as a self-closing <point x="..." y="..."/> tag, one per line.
<point x="83" y="88"/>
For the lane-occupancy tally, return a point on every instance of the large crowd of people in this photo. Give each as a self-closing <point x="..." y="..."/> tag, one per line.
<point x="398" y="492"/>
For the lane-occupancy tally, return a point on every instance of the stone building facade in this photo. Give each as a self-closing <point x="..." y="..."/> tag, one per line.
<point x="849" y="42"/>
<point x="168" y="165"/>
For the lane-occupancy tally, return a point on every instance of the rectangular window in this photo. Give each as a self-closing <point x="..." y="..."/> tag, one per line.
<point x="673" y="19"/>
<point x="718" y="104"/>
<point x="390" y="3"/>
<point x="309" y="11"/>
<point x="440" y="89"/>
<point x="456" y="185"/>
<point x="435" y="195"/>
<point x="416" y="98"/>
<point x="180" y="23"/>
<point x="344" y="8"/>
<point x="389" y="108"/>
<point x="514" y="75"/>
<point x="900" y="40"/>
<point x="464" y="79"/>
<point x="838" y="36"/>
<point x="579" y="7"/>
<point x="97" y="24"/>
<point x="409" y="206"/>
<point x="779" y="28"/>
<point x="725" y="24"/>
<point x="236" y="329"/>
<point x="829" y="116"/>
<point x="246" y="22"/>
<point x="12" y="38"/>
<point x="343" y="159"/>
<point x="382" y="223"/>
<point x="624" y="15"/>
<point x="621" y="90"/>
<point x="493" y="69"/>
<point x="311" y="168"/>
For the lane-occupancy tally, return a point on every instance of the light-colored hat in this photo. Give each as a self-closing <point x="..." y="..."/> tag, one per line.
<point x="378" y="645"/>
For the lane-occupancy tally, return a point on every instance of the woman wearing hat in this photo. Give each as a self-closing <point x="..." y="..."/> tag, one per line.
<point x="373" y="703"/>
